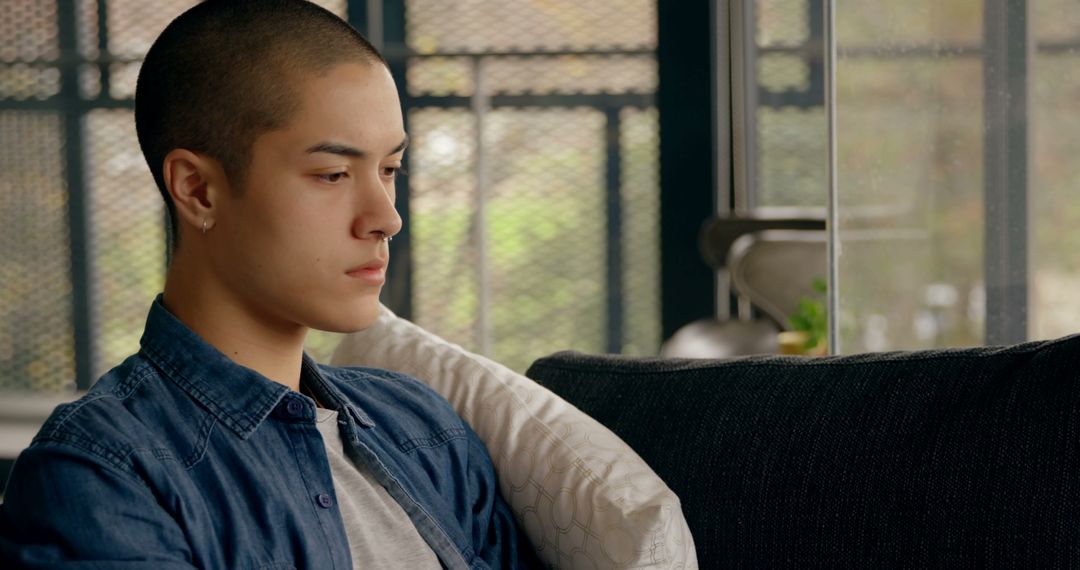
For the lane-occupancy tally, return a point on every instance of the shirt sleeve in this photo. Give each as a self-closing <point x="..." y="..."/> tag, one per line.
<point x="496" y="537"/>
<point x="66" y="507"/>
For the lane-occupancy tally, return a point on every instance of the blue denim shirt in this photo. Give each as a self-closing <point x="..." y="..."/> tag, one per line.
<point x="181" y="458"/>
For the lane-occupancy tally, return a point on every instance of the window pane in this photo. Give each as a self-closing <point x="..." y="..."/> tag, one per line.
<point x="920" y="227"/>
<point x="914" y="23"/>
<point x="442" y="183"/>
<point x="29" y="31"/>
<point x="512" y="227"/>
<point x="28" y="38"/>
<point x="911" y="188"/>
<point x="543" y="233"/>
<point x="1055" y="208"/>
<point x="128" y="235"/>
<point x="792" y="157"/>
<point x="546" y="229"/>
<point x="789" y="143"/>
<point x="641" y="228"/>
<point x="36" y="342"/>
<point x="502" y="25"/>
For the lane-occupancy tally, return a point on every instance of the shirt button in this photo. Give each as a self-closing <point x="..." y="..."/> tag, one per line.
<point x="294" y="408"/>
<point x="324" y="500"/>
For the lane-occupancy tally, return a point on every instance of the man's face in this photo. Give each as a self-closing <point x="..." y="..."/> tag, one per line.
<point x="301" y="243"/>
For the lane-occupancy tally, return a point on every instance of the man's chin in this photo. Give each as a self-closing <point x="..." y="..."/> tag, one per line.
<point x="352" y="320"/>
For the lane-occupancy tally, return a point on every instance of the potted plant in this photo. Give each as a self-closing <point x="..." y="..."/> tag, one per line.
<point x="809" y="325"/>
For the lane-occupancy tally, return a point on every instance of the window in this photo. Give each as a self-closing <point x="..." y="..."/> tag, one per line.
<point x="532" y="202"/>
<point x="779" y="98"/>
<point x="955" y="179"/>
<point x="533" y="186"/>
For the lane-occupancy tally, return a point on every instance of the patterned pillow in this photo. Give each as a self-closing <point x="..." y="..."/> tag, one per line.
<point x="583" y="497"/>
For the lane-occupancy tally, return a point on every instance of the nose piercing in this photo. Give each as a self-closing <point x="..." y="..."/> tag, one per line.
<point x="386" y="237"/>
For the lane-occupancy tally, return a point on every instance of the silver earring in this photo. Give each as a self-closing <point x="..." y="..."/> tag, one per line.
<point x="204" y="226"/>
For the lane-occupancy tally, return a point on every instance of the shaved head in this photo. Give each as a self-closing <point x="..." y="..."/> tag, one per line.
<point x="226" y="71"/>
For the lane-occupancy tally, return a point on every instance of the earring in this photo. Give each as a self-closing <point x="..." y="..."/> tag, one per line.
<point x="204" y="226"/>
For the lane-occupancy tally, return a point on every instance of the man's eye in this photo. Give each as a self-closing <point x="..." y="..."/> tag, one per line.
<point x="332" y="177"/>
<point x="393" y="171"/>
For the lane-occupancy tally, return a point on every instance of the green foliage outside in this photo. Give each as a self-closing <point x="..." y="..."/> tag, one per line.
<point x="811" y="316"/>
<point x="545" y="233"/>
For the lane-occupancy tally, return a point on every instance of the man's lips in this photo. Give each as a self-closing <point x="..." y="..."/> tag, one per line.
<point x="372" y="272"/>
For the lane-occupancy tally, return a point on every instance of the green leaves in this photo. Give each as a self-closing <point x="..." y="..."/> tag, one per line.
<point x="811" y="316"/>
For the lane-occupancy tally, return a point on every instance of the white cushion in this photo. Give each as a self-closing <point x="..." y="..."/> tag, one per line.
<point x="583" y="497"/>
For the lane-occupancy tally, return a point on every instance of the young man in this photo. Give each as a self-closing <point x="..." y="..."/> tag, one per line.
<point x="274" y="132"/>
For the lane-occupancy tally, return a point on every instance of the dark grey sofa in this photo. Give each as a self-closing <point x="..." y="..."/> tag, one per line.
<point x="966" y="458"/>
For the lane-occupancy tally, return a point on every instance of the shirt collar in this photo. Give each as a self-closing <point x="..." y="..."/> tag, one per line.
<point x="237" y="396"/>
<point x="329" y="394"/>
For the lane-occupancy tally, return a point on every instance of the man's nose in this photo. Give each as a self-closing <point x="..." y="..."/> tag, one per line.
<point x="375" y="214"/>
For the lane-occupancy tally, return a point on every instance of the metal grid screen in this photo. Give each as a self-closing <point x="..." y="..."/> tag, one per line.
<point x="789" y="113"/>
<point x="533" y="185"/>
<point x="35" y="310"/>
<point x="35" y="317"/>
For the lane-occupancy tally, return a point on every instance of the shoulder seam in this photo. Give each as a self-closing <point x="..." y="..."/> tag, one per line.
<point x="68" y="410"/>
<point x="117" y="460"/>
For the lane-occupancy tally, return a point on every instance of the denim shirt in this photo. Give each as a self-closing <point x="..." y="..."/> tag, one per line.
<point x="181" y="458"/>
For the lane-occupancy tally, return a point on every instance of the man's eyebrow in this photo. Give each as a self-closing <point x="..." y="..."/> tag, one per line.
<point x="353" y="152"/>
<point x="336" y="148"/>
<point x="404" y="145"/>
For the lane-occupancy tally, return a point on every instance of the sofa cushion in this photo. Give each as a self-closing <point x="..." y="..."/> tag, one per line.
<point x="583" y="497"/>
<point x="965" y="457"/>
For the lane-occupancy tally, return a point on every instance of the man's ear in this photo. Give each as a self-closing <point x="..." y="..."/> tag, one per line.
<point x="196" y="183"/>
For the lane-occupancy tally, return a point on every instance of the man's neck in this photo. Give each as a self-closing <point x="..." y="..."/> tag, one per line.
<point x="247" y="338"/>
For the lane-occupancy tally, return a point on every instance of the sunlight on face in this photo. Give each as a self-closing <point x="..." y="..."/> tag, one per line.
<point x="304" y="243"/>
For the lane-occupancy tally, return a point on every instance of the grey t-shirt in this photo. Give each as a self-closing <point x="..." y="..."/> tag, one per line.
<point x="380" y="533"/>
